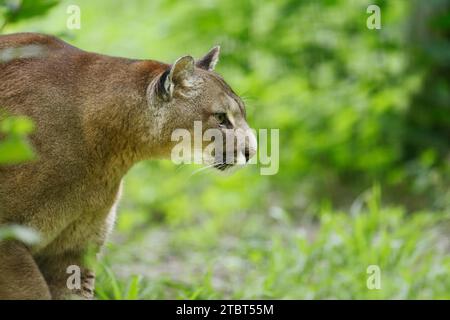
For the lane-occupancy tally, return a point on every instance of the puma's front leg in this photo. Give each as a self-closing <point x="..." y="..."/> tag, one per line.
<point x="86" y="236"/>
<point x="20" y="277"/>
<point x="67" y="276"/>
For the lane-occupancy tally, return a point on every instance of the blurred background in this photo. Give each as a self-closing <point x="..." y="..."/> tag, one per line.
<point x="364" y="169"/>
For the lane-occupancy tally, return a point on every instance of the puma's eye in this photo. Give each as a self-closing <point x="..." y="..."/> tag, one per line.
<point x="221" y="118"/>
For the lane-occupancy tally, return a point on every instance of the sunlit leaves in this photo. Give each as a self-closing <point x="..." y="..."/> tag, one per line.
<point x="14" y="145"/>
<point x="15" y="10"/>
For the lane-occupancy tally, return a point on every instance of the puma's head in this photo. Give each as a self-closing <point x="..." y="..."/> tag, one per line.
<point x="189" y="93"/>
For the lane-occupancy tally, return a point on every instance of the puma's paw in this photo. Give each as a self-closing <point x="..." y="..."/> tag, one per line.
<point x="88" y="285"/>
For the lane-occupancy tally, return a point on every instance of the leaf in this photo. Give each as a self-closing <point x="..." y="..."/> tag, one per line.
<point x="17" y="125"/>
<point x="25" y="9"/>
<point x="21" y="233"/>
<point x="133" y="288"/>
<point x="15" y="150"/>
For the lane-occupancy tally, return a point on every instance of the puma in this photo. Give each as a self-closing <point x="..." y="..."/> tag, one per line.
<point x="95" y="117"/>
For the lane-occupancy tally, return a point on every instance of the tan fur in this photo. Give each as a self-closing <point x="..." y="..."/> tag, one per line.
<point x="95" y="117"/>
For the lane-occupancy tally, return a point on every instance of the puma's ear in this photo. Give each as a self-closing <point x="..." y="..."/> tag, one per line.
<point x="178" y="76"/>
<point x="208" y="62"/>
<point x="181" y="70"/>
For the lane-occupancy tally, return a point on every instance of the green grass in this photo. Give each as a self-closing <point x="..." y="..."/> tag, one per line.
<point x="271" y="256"/>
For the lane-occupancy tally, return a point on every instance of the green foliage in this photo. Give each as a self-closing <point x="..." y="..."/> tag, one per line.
<point x="15" y="148"/>
<point x="269" y="255"/>
<point x="111" y="288"/>
<point x="12" y="11"/>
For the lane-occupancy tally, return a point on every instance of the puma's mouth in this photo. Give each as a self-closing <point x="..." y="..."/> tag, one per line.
<point x="222" y="166"/>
